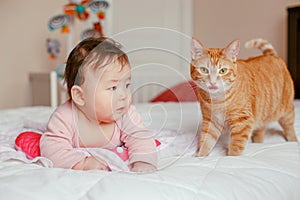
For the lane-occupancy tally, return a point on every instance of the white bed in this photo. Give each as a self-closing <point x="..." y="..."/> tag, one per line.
<point x="266" y="171"/>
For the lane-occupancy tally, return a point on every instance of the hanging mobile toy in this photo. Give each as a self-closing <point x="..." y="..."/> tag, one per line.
<point x="99" y="7"/>
<point x="80" y="9"/>
<point x="53" y="46"/>
<point x="98" y="28"/>
<point x="88" y="33"/>
<point x="95" y="32"/>
<point x="60" y="71"/>
<point x="59" y="21"/>
<point x="77" y="9"/>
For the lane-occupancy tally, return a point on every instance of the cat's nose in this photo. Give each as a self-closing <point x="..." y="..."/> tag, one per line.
<point x="213" y="82"/>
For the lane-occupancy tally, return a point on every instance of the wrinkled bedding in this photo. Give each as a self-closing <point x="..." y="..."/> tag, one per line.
<point x="270" y="170"/>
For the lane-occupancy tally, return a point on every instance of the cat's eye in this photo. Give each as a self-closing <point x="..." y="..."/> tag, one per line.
<point x="204" y="70"/>
<point x="223" y="71"/>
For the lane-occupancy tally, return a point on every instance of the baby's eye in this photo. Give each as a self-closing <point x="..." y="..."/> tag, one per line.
<point x="204" y="70"/>
<point x="113" y="88"/>
<point x="223" y="71"/>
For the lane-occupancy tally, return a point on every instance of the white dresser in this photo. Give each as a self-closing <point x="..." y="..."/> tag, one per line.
<point x="45" y="89"/>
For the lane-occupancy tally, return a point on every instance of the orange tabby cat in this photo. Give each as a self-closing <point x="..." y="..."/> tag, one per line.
<point x="241" y="96"/>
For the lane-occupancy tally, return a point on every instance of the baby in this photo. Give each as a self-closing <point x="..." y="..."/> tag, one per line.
<point x="99" y="113"/>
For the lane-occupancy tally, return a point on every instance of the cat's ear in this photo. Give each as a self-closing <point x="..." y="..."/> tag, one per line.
<point x="232" y="50"/>
<point x="197" y="49"/>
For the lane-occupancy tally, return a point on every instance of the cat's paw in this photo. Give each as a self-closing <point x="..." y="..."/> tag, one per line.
<point x="234" y="151"/>
<point x="292" y="138"/>
<point x="202" y="153"/>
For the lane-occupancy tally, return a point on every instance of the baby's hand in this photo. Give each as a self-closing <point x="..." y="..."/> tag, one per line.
<point x="90" y="163"/>
<point x="142" y="167"/>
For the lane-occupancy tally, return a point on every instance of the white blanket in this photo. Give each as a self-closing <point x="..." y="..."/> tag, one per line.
<point x="270" y="170"/>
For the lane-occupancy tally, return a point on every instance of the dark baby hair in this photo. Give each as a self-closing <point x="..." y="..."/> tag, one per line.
<point x="92" y="50"/>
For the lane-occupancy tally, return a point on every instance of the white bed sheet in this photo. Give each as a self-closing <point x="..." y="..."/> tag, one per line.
<point x="270" y="170"/>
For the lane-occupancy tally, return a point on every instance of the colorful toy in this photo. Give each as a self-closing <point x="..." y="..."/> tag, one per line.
<point x="122" y="151"/>
<point x="81" y="10"/>
<point x="60" y="71"/>
<point x="96" y="31"/>
<point x="99" y="7"/>
<point x="29" y="143"/>
<point x="98" y="28"/>
<point x="59" y="22"/>
<point x="87" y="33"/>
<point x="53" y="48"/>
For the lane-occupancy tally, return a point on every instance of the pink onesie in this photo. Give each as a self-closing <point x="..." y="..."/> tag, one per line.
<point x="61" y="140"/>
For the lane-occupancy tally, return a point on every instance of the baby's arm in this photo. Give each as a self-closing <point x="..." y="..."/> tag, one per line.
<point x="143" y="167"/>
<point x="59" y="142"/>
<point x="90" y="163"/>
<point x="139" y="141"/>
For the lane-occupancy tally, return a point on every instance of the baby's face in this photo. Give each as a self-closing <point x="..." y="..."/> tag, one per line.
<point x="107" y="92"/>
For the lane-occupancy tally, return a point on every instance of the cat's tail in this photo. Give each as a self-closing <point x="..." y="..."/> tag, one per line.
<point x="263" y="45"/>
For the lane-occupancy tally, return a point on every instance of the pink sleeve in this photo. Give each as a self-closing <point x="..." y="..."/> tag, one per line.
<point x="58" y="142"/>
<point x="139" y="140"/>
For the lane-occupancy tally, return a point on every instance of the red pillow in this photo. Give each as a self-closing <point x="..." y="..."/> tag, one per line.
<point x="182" y="92"/>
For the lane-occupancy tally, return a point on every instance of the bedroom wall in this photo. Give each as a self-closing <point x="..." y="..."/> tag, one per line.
<point x="23" y="49"/>
<point x="24" y="30"/>
<point x="216" y="23"/>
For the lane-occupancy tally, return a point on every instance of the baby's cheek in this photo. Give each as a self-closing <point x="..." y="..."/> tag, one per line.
<point x="130" y="100"/>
